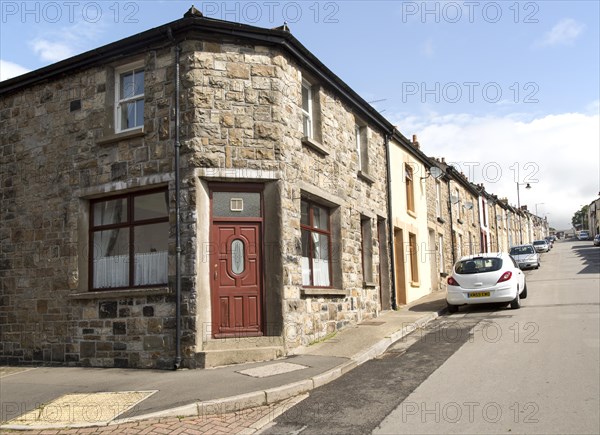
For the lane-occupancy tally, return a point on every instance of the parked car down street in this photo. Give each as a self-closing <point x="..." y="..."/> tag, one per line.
<point x="526" y="256"/>
<point x="541" y="246"/>
<point x="485" y="278"/>
<point x="597" y="240"/>
<point x="583" y="235"/>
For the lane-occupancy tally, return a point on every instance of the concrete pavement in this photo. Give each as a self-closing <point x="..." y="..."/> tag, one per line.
<point x="232" y="399"/>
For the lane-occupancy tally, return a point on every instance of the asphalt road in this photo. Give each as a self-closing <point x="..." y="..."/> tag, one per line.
<point x="487" y="369"/>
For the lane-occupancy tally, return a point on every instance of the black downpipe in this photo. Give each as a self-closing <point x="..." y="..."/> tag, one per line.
<point x="177" y="362"/>
<point x="390" y="223"/>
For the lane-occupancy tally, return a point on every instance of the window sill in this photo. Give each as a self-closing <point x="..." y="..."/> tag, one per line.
<point x="441" y="220"/>
<point x="311" y="291"/>
<point x="460" y="221"/>
<point x="112" y="138"/>
<point x="366" y="177"/>
<point x="315" y="146"/>
<point x="116" y="294"/>
<point x="443" y="274"/>
<point x="369" y="284"/>
<point x="411" y="213"/>
<point x="415" y="284"/>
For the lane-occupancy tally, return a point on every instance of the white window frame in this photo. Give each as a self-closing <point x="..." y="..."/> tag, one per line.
<point x="457" y="191"/>
<point x="438" y="198"/>
<point x="309" y="131"/>
<point x="362" y="146"/>
<point x="357" y="132"/>
<point x="119" y="102"/>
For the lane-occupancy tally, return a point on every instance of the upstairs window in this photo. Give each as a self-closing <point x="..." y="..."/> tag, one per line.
<point x="129" y="240"/>
<point x="484" y="212"/>
<point x="129" y="107"/>
<point x="307" y="110"/>
<point x="456" y="201"/>
<point x="410" y="191"/>
<point x="362" y="147"/>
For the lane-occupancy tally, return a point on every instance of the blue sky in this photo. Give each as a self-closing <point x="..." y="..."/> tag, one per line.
<point x="506" y="90"/>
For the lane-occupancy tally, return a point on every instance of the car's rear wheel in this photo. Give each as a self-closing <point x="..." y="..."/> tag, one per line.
<point x="515" y="304"/>
<point x="452" y="309"/>
<point x="524" y="292"/>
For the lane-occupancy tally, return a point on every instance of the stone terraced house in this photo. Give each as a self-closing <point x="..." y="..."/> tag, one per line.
<point x="198" y="194"/>
<point x="453" y="217"/>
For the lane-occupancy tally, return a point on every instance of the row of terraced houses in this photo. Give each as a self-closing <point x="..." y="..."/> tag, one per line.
<point x="207" y="193"/>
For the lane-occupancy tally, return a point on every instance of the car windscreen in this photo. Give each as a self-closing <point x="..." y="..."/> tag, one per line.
<point x="520" y="250"/>
<point x="540" y="242"/>
<point x="478" y="265"/>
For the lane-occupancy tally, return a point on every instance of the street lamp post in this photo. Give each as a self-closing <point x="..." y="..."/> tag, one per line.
<point x="527" y="186"/>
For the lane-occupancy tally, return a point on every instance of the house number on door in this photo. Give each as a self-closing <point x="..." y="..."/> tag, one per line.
<point x="237" y="256"/>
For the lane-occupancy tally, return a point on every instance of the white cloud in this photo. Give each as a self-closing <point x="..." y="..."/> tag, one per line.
<point x="67" y="41"/>
<point x="49" y="51"/>
<point x="563" y="33"/>
<point x="557" y="154"/>
<point x="10" y="69"/>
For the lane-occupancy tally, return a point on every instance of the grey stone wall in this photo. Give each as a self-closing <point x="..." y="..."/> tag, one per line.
<point x="54" y="159"/>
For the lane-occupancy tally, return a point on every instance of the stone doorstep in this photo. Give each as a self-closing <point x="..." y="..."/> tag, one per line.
<point x="224" y="357"/>
<point x="242" y="343"/>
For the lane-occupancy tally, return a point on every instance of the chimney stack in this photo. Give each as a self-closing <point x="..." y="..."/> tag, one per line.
<point x="415" y="141"/>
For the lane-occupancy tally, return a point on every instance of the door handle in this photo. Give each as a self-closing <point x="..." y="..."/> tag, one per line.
<point x="215" y="272"/>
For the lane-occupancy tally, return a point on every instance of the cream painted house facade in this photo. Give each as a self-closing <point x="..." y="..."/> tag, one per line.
<point x="412" y="251"/>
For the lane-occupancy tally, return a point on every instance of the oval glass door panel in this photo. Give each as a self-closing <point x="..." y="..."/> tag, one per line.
<point x="237" y="256"/>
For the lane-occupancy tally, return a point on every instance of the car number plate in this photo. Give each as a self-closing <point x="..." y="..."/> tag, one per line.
<point x="479" y="294"/>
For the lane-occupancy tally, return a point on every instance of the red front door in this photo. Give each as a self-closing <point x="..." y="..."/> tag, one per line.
<point x="236" y="279"/>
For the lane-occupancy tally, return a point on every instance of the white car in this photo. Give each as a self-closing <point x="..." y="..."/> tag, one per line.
<point x="583" y="235"/>
<point x="485" y="278"/>
<point x="526" y="256"/>
<point x="541" y="245"/>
